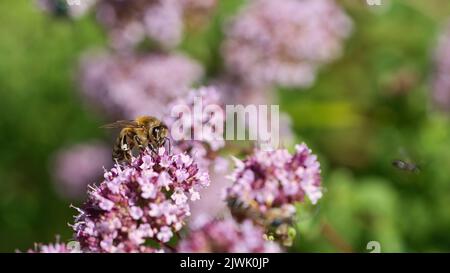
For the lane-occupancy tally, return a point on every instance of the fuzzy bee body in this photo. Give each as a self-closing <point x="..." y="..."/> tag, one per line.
<point x="143" y="132"/>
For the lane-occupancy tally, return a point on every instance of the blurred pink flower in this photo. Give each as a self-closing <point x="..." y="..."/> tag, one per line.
<point x="227" y="236"/>
<point x="144" y="201"/>
<point x="441" y="79"/>
<point x="205" y="148"/>
<point x="129" y="22"/>
<point x="198" y="124"/>
<point x="273" y="179"/>
<point x="132" y="85"/>
<point x="284" y="42"/>
<point x="77" y="166"/>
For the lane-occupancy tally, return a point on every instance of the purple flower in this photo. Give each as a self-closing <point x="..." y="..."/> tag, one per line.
<point x="199" y="124"/>
<point x="227" y="236"/>
<point x="197" y="133"/>
<point x="284" y="42"/>
<point x="77" y="166"/>
<point x="441" y="80"/>
<point x="133" y="206"/>
<point x="267" y="185"/>
<point x="57" y="247"/>
<point x="205" y="147"/>
<point x="133" y="85"/>
<point x="269" y="179"/>
<point x="129" y="22"/>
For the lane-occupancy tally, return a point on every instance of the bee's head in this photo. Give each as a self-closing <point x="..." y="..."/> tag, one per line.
<point x="159" y="133"/>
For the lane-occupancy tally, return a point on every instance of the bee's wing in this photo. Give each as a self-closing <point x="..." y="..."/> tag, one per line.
<point x="121" y="124"/>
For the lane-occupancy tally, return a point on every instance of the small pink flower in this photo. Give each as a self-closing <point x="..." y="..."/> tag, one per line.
<point x="136" y="213"/>
<point x="164" y="180"/>
<point x="179" y="197"/>
<point x="164" y="234"/>
<point x="195" y="195"/>
<point x="58" y="247"/>
<point x="106" y="204"/>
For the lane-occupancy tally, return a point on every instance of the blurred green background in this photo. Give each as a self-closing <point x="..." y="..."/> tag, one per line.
<point x="365" y="110"/>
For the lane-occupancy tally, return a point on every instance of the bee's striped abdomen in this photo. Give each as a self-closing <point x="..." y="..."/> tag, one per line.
<point x="123" y="146"/>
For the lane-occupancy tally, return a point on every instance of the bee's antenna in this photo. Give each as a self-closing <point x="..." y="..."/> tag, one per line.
<point x="153" y="149"/>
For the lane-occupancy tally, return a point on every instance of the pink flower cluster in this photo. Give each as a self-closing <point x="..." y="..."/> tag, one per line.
<point x="148" y="200"/>
<point x="129" y="22"/>
<point x="56" y="247"/>
<point x="227" y="236"/>
<point x="267" y="185"/>
<point x="199" y="136"/>
<point x="202" y="141"/>
<point x="133" y="85"/>
<point x="284" y="42"/>
<point x="441" y="81"/>
<point x="276" y="179"/>
<point x="199" y="123"/>
<point x="141" y="202"/>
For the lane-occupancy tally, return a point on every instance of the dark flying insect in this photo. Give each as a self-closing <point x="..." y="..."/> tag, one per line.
<point x="405" y="166"/>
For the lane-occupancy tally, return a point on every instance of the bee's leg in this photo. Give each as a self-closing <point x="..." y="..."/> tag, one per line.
<point x="124" y="143"/>
<point x="138" y="141"/>
<point x="129" y="144"/>
<point x="128" y="156"/>
<point x="153" y="149"/>
<point x="116" y="160"/>
<point x="169" y="144"/>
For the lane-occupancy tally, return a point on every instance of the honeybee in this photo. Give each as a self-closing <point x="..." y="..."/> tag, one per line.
<point x="406" y="164"/>
<point x="143" y="132"/>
